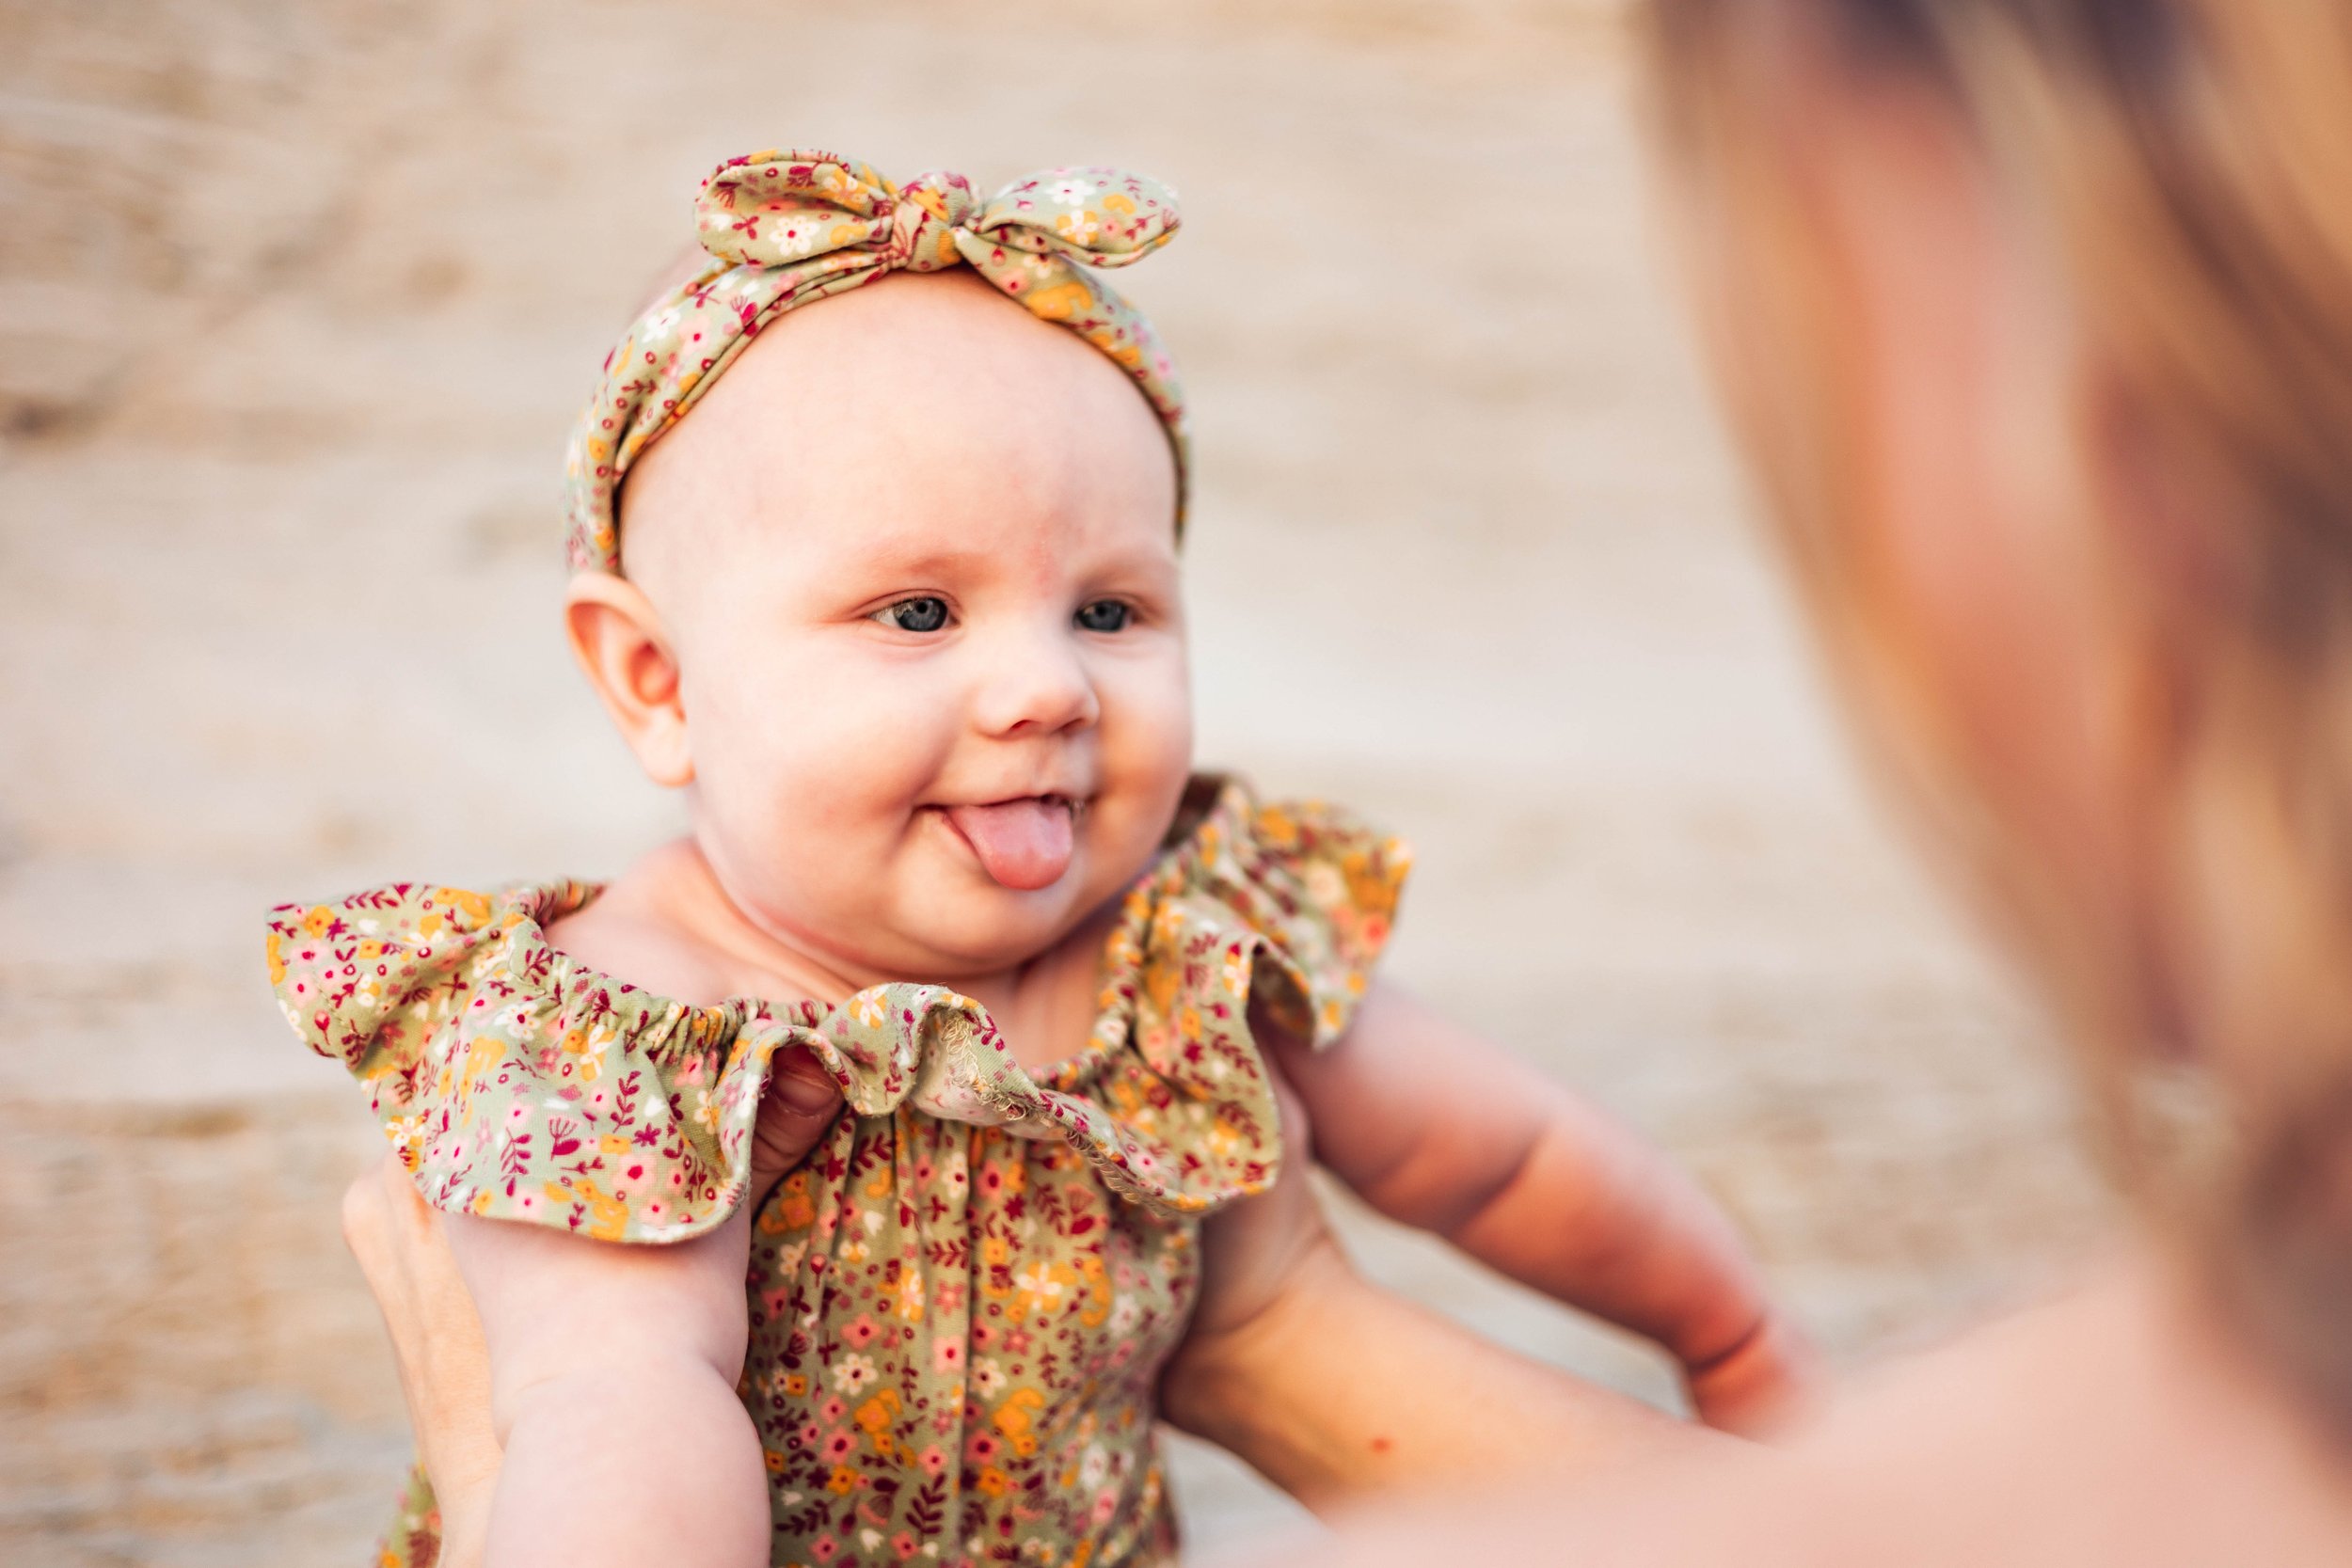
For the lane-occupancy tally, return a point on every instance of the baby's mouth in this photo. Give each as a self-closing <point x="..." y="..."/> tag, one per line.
<point x="1024" y="843"/>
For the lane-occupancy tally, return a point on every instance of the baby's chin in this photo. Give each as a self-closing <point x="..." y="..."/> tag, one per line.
<point x="974" y="931"/>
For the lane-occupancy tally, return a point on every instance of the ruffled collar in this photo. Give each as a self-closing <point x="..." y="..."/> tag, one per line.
<point x="1283" y="906"/>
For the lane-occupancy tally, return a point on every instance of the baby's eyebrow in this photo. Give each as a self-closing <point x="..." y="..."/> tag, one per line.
<point x="919" y="559"/>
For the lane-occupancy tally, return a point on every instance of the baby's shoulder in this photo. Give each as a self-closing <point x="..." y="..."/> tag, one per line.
<point x="628" y="934"/>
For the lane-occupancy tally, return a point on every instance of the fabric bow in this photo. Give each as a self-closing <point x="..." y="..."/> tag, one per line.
<point x="785" y="228"/>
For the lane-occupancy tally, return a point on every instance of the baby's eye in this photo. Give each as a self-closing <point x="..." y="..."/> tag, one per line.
<point x="1105" y="615"/>
<point x="917" y="614"/>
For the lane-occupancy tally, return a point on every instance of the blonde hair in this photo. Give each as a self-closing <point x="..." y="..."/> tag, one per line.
<point x="2191" y="161"/>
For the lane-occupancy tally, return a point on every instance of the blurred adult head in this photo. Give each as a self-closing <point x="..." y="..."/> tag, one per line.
<point x="2035" y="318"/>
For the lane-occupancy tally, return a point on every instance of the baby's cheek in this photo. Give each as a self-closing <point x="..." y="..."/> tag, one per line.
<point x="814" y="772"/>
<point x="1147" y="758"/>
<point x="1147" y="727"/>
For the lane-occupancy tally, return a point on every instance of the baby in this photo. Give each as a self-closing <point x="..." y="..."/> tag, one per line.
<point x="899" y="609"/>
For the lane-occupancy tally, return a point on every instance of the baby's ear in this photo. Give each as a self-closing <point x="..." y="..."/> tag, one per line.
<point x="617" y="637"/>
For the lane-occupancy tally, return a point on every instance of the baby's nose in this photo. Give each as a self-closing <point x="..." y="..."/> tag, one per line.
<point x="1036" y="684"/>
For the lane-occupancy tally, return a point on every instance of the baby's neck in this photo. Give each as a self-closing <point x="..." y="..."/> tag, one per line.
<point x="667" y="926"/>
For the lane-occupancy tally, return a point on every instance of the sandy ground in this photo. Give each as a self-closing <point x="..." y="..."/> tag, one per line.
<point x="296" y="301"/>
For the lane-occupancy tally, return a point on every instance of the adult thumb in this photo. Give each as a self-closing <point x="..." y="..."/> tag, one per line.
<point x="802" y="1101"/>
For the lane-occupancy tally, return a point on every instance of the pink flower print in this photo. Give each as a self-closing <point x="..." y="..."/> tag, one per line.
<point x="823" y="1548"/>
<point x="833" y="1408"/>
<point x="861" y="1333"/>
<point x="934" y="1461"/>
<point x="947" y="1355"/>
<point x="839" y="1445"/>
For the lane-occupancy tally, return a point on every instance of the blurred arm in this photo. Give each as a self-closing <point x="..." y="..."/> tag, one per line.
<point x="1339" y="1392"/>
<point x="1441" y="1130"/>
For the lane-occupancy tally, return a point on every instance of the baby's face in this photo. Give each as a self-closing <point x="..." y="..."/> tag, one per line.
<point x="916" y="557"/>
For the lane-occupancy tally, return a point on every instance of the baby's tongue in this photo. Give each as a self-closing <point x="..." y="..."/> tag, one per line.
<point x="1022" y="844"/>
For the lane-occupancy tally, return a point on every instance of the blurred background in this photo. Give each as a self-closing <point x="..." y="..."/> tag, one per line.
<point x="297" y="299"/>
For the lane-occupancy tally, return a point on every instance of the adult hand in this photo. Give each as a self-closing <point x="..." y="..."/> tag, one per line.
<point x="1264" y="1261"/>
<point x="436" y="1348"/>
<point x="436" y="1340"/>
<point x="1257" y="1251"/>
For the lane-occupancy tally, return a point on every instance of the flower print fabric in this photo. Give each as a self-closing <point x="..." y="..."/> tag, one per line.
<point x="960" y="1302"/>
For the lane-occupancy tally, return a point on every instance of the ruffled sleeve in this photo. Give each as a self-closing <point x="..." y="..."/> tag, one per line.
<point x="515" y="1083"/>
<point x="1320" y="886"/>
<point x="1284" y="906"/>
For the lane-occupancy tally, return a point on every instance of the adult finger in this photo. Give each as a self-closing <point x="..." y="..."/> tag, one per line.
<point x="799" y="1108"/>
<point x="438" y="1350"/>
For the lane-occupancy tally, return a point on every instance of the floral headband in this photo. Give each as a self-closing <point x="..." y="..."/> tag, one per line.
<point x="784" y="228"/>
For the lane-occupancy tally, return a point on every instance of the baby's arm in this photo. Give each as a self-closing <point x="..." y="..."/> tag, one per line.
<point x="612" y="1376"/>
<point x="1439" y="1129"/>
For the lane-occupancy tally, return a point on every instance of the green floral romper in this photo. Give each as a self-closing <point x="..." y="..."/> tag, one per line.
<point x="960" y="1302"/>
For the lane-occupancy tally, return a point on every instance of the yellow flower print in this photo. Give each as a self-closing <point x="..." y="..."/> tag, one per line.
<point x="1098" y="1290"/>
<point x="472" y="907"/>
<point x="871" y="1009"/>
<point x="1043" y="1287"/>
<point x="1236" y="972"/>
<point x="843" y="1480"/>
<point x="1016" y="1419"/>
<point x="792" y="1205"/>
<point x="1059" y="302"/>
<point x="276" y="953"/>
<point x="874" y="1418"/>
<point x="317" y="919"/>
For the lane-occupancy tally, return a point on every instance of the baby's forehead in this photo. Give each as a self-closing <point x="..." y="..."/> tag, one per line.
<point x="911" y="388"/>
